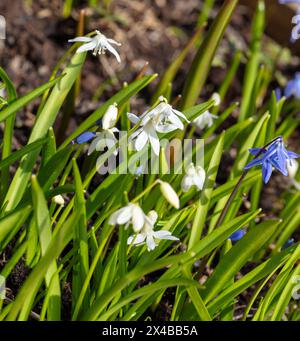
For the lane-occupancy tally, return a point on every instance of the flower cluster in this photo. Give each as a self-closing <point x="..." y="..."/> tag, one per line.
<point x="163" y="118"/>
<point x="142" y="225"/>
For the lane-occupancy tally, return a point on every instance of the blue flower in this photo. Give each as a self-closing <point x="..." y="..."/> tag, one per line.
<point x="292" y="88"/>
<point x="288" y="243"/>
<point x="289" y="2"/>
<point x="237" y="235"/>
<point x="85" y="137"/>
<point x="275" y="156"/>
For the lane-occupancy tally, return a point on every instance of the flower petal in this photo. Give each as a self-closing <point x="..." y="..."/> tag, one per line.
<point x="138" y="218"/>
<point x="253" y="163"/>
<point x="151" y="245"/>
<point x="85" y="137"/>
<point x="180" y="114"/>
<point x="136" y="239"/>
<point x="163" y="234"/>
<point x="154" y="140"/>
<point x="87" y="47"/>
<point x="165" y="128"/>
<point x="237" y="235"/>
<point x="110" y="117"/>
<point x="92" y="146"/>
<point x="266" y="171"/>
<point x="176" y="121"/>
<point x="293" y="155"/>
<point x="141" y="140"/>
<point x="124" y="215"/>
<point x="186" y="183"/>
<point x="112" y="41"/>
<point x="80" y="39"/>
<point x="133" y="118"/>
<point x="114" y="52"/>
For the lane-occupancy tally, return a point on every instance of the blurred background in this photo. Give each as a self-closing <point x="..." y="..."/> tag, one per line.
<point x="151" y="31"/>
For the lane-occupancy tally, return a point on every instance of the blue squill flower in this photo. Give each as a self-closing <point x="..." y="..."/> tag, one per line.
<point x="275" y="156"/>
<point x="283" y="2"/>
<point x="85" y="137"/>
<point x="288" y="243"/>
<point x="237" y="235"/>
<point x="292" y="88"/>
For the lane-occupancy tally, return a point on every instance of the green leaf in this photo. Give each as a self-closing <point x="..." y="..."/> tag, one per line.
<point x="255" y="275"/>
<point x="206" y="193"/>
<point x="253" y="64"/>
<point x="234" y="260"/>
<point x="81" y="252"/>
<point x="43" y="225"/>
<point x="201" y="65"/>
<point x="173" y="68"/>
<point x="15" y="156"/>
<point x="17" y="104"/>
<point x="40" y="129"/>
<point x="8" y="132"/>
<point x="11" y="223"/>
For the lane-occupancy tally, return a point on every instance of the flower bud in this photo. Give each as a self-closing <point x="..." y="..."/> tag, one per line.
<point x="292" y="168"/>
<point x="110" y="117"/>
<point x="59" y="200"/>
<point x="216" y="97"/>
<point x="169" y="194"/>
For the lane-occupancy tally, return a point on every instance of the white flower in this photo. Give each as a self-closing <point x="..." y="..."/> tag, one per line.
<point x="205" y="120"/>
<point x="162" y="119"/>
<point x="216" y="97"/>
<point x="292" y="167"/>
<point x="145" y="134"/>
<point x="195" y="176"/>
<point x="110" y="117"/>
<point x="148" y="234"/>
<point x="130" y="214"/>
<point x="58" y="199"/>
<point x="169" y="194"/>
<point x="98" y="43"/>
<point x="106" y="137"/>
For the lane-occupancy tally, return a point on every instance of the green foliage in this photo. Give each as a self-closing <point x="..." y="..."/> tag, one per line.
<point x="75" y="242"/>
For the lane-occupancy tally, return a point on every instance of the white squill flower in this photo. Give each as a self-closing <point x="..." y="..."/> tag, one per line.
<point x="292" y="167"/>
<point x="130" y="214"/>
<point x="205" y="120"/>
<point x="195" y="176"/>
<point x="169" y="194"/>
<point x="216" y="97"/>
<point x="106" y="137"/>
<point x="59" y="200"/>
<point x="98" y="43"/>
<point x="162" y="119"/>
<point x="148" y="235"/>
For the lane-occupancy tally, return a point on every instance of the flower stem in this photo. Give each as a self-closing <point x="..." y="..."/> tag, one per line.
<point x="147" y="189"/>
